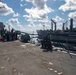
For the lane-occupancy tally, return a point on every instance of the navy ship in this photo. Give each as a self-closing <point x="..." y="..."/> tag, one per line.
<point x="61" y="36"/>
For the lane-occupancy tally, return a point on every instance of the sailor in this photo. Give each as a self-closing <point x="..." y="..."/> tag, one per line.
<point x="43" y="44"/>
<point x="46" y="43"/>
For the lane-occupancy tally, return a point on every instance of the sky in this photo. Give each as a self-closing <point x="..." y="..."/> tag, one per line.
<point x="32" y="15"/>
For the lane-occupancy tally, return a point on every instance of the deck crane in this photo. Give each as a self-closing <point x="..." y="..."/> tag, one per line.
<point x="53" y="22"/>
<point x="64" y="25"/>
